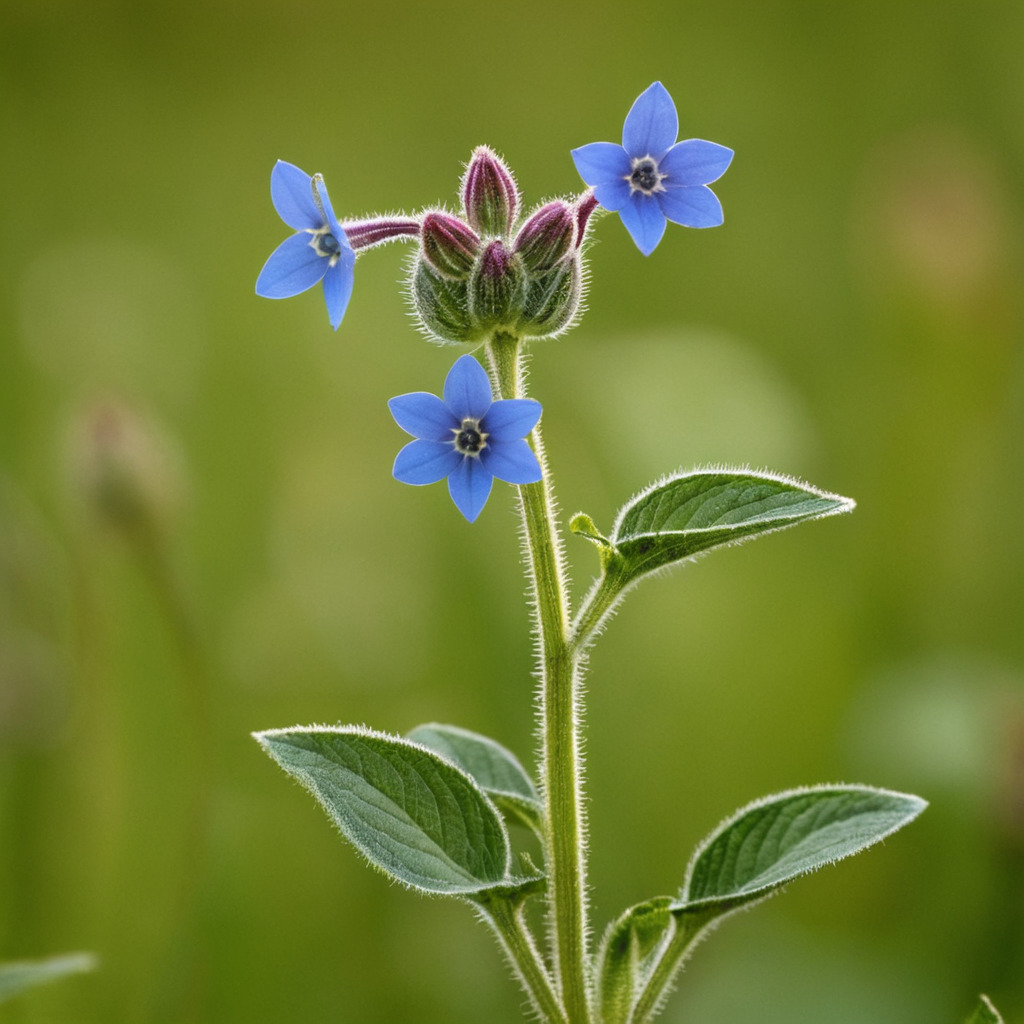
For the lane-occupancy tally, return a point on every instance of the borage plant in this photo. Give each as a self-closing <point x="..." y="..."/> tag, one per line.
<point x="430" y="809"/>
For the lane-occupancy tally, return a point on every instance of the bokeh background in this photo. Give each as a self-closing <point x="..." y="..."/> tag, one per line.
<point x="199" y="534"/>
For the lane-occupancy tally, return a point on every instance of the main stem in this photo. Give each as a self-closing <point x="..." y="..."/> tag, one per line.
<point x="561" y="761"/>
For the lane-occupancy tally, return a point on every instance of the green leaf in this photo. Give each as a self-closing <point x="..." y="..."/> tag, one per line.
<point x="779" y="838"/>
<point x="583" y="526"/>
<point x="984" y="1013"/>
<point x="631" y="948"/>
<point x="758" y="850"/>
<point x="17" y="976"/>
<point x="694" y="512"/>
<point x="495" y="769"/>
<point x="414" y="815"/>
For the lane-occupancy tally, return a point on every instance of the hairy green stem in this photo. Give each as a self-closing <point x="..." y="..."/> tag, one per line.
<point x="598" y="604"/>
<point x="559" y="711"/>
<point x="507" y="921"/>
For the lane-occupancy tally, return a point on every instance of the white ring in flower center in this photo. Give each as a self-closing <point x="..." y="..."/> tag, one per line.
<point x="644" y="176"/>
<point x="323" y="243"/>
<point x="469" y="438"/>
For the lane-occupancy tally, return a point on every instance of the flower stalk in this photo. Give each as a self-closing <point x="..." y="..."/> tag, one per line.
<point x="559" y="709"/>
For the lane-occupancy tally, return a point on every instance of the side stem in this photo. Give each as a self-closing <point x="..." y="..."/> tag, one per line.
<point x="558" y="708"/>
<point x="507" y="921"/>
<point x="655" y="992"/>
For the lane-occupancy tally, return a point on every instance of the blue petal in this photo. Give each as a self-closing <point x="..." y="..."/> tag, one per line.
<point x="293" y="267"/>
<point x="292" y="193"/>
<point x="598" y="162"/>
<point x="338" y="283"/>
<point x="511" y="419"/>
<point x="424" y="415"/>
<point x="696" y="207"/>
<point x="426" y="462"/>
<point x="467" y="390"/>
<point x="332" y="222"/>
<point x="511" y="461"/>
<point x="695" y="162"/>
<point x="644" y="221"/>
<point x="651" y="125"/>
<point x="613" y="195"/>
<point x="470" y="487"/>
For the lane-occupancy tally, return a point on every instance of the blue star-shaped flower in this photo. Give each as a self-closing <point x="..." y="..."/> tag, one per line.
<point x="319" y="249"/>
<point x="467" y="437"/>
<point x="651" y="177"/>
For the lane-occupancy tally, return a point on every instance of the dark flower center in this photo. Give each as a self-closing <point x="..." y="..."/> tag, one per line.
<point x="469" y="438"/>
<point x="645" y="177"/>
<point x="325" y="244"/>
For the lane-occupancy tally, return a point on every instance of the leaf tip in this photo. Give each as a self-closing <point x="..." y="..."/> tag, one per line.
<point x="583" y="526"/>
<point x="263" y="738"/>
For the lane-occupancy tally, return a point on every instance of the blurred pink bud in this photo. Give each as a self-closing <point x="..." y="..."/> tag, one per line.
<point x="124" y="469"/>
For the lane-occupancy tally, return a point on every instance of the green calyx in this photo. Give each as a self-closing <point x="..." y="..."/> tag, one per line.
<point x="498" y="293"/>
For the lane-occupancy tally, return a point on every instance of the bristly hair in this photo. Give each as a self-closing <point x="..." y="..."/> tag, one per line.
<point x="845" y="505"/>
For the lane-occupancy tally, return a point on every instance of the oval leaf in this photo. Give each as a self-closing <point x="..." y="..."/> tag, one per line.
<point x="19" y="975"/>
<point x="777" y="839"/>
<point x="687" y="514"/>
<point x="412" y="814"/>
<point x="495" y="769"/>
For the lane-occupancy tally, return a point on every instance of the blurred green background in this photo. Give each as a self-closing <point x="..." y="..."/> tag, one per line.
<point x="856" y="322"/>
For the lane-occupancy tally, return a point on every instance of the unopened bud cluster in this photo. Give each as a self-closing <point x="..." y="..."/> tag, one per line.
<point x="489" y="270"/>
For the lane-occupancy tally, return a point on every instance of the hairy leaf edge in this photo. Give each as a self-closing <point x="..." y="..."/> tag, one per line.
<point x="626" y="583"/>
<point x="507" y="884"/>
<point x="512" y="796"/>
<point x="845" y="504"/>
<point x="739" y="900"/>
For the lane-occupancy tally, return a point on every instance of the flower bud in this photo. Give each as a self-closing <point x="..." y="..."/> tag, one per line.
<point x="125" y="470"/>
<point x="442" y="305"/>
<point x="547" y="237"/>
<point x="550" y="301"/>
<point x="495" y="288"/>
<point x="489" y="194"/>
<point x="449" y="246"/>
<point x="584" y="207"/>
